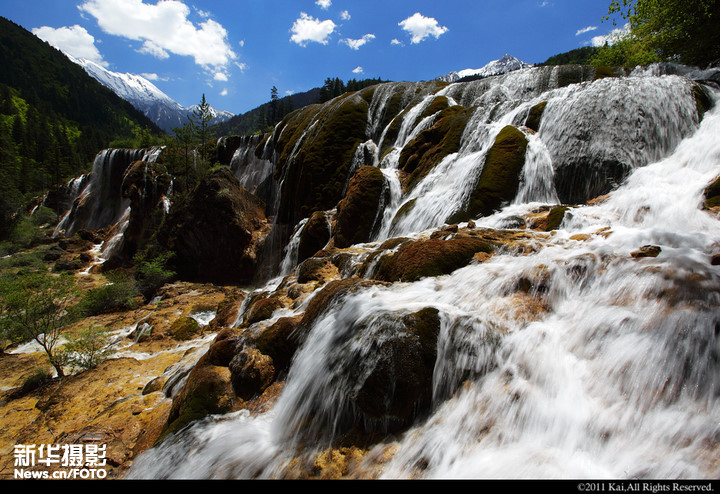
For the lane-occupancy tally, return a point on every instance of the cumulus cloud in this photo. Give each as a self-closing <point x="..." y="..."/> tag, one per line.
<point x="224" y="92"/>
<point x="306" y="28"/>
<point x="358" y="70"/>
<point x="585" y="30"/>
<point x="345" y="15"/>
<point x="396" y="41"/>
<point x="355" y="44"/>
<point x="163" y="29"/>
<point x="420" y="27"/>
<point x="324" y="4"/>
<point x="612" y="37"/>
<point x="74" y="41"/>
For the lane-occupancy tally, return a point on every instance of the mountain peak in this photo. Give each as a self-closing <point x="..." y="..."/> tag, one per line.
<point x="145" y="96"/>
<point x="507" y="63"/>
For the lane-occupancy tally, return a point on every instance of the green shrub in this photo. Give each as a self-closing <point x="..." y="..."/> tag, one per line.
<point x="88" y="349"/>
<point x="151" y="274"/>
<point x="120" y="293"/>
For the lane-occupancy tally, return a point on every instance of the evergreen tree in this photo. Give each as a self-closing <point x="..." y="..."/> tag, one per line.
<point x="201" y="117"/>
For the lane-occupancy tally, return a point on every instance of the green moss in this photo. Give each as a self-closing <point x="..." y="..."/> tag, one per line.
<point x="712" y="194"/>
<point x="500" y="177"/>
<point x="603" y="71"/>
<point x="424" y="152"/>
<point x="702" y="101"/>
<point x="534" y="116"/>
<point x="555" y="217"/>
<point x="316" y="179"/>
<point x="184" y="328"/>
<point x="357" y="213"/>
<point x="432" y="257"/>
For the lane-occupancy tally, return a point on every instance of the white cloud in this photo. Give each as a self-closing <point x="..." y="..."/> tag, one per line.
<point x="585" y="30"/>
<point x="357" y="43"/>
<point x="307" y="28"/>
<point x="545" y="3"/>
<point x="324" y="4"/>
<point x="358" y="70"/>
<point x="224" y="92"/>
<point x="345" y="15"/>
<point x="420" y="27"/>
<point x="612" y="37"/>
<point x="163" y="28"/>
<point x="396" y="41"/>
<point x="74" y="41"/>
<point x="220" y="76"/>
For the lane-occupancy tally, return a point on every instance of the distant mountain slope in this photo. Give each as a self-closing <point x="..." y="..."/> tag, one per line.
<point x="505" y="64"/>
<point x="45" y="77"/>
<point x="256" y="119"/>
<point x="146" y="97"/>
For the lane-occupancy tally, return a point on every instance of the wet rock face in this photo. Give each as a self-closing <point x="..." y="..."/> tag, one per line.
<point x="358" y="212"/>
<point x="315" y="235"/>
<point x="145" y="184"/>
<point x="500" y="177"/>
<point x="215" y="232"/>
<point x="314" y="162"/>
<point x="394" y="385"/>
<point x="432" y="257"/>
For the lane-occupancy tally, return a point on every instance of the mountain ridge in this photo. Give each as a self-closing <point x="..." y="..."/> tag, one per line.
<point x="507" y="63"/>
<point x="165" y="112"/>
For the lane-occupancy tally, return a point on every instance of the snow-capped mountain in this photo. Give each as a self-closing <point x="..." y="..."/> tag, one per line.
<point x="146" y="97"/>
<point x="507" y="63"/>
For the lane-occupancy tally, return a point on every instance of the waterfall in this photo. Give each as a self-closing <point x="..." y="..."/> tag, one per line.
<point x="573" y="358"/>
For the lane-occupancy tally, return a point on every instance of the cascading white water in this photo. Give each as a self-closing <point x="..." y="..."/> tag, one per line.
<point x="609" y="368"/>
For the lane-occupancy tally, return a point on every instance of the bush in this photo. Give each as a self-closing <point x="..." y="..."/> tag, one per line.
<point x="151" y="274"/>
<point x="119" y="294"/>
<point x="87" y="349"/>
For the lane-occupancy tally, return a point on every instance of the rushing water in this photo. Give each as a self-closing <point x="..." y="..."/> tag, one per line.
<point x="609" y="368"/>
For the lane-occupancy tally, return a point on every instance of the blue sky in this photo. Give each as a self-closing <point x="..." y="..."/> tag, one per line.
<point x="235" y="51"/>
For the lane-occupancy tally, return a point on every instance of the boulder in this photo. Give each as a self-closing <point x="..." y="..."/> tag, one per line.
<point x="314" y="236"/>
<point x="207" y="391"/>
<point x="215" y="233"/>
<point x="251" y="372"/>
<point x="359" y="211"/>
<point x="430" y="146"/>
<point x="432" y="257"/>
<point x="500" y="177"/>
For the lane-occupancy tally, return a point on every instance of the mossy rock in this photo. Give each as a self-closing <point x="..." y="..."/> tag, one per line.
<point x="535" y="115"/>
<point x="555" y="217"/>
<point x="702" y="100"/>
<point x="314" y="236"/>
<point x="262" y="309"/>
<point x="433" y="257"/>
<point x="329" y="294"/>
<point x="500" y="177"/>
<point x="358" y="212"/>
<point x="184" y="329"/>
<point x="207" y="391"/>
<point x="279" y="342"/>
<point x="603" y="71"/>
<point x="712" y="194"/>
<point x="316" y="177"/>
<point x="251" y="372"/>
<point x="431" y="145"/>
